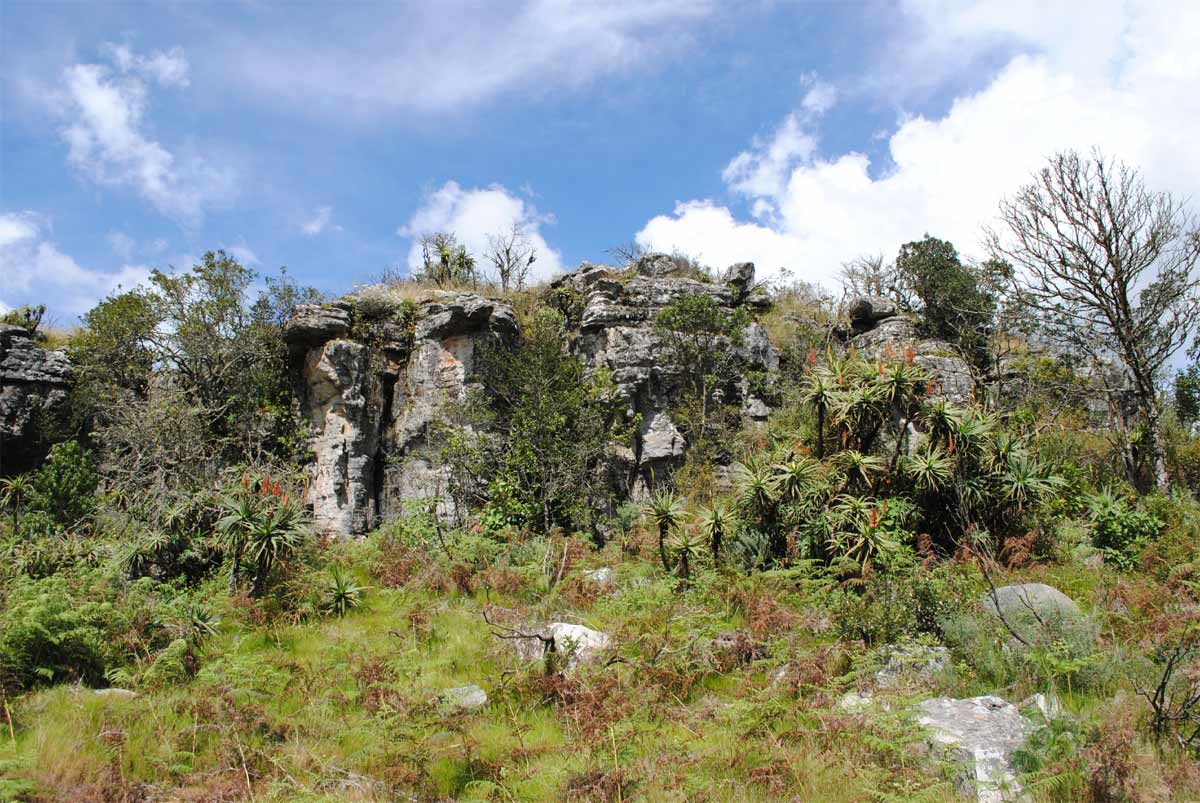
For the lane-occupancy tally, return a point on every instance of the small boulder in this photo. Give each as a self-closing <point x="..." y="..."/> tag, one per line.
<point x="981" y="734"/>
<point x="866" y="311"/>
<point x="1036" y="610"/>
<point x="464" y="697"/>
<point x="574" y="644"/>
<point x="115" y="693"/>
<point x="656" y="265"/>
<point x="314" y="324"/>
<point x="604" y="576"/>
<point x="739" y="277"/>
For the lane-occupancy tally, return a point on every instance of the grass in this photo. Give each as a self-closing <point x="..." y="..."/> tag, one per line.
<point x="346" y="708"/>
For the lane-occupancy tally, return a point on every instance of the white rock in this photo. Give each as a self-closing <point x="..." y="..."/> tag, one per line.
<point x="603" y="576"/>
<point x="469" y="697"/>
<point x="983" y="733"/>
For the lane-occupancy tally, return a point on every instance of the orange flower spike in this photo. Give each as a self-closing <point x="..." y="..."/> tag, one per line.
<point x="276" y="490"/>
<point x="910" y="356"/>
<point x="879" y="367"/>
<point x="890" y="353"/>
<point x="812" y="356"/>
<point x="266" y="485"/>
<point x="284" y="501"/>
<point x="929" y="389"/>
<point x="874" y="518"/>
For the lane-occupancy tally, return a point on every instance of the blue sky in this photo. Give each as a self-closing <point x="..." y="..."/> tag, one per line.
<point x="325" y="136"/>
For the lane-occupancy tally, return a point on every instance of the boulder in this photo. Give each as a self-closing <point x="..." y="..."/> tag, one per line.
<point x="464" y="697"/>
<point x="656" y="264"/>
<point x="739" y="277"/>
<point x="980" y="734"/>
<point x="34" y="384"/>
<point x="313" y="324"/>
<point x="604" y="577"/>
<point x="575" y="645"/>
<point x="867" y="311"/>
<point x="1027" y="599"/>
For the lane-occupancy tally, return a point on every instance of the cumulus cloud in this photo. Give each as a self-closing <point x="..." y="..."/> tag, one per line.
<point x="947" y="174"/>
<point x="34" y="271"/>
<point x="319" y="222"/>
<point x="104" y="110"/>
<point x="454" y="54"/>
<point x="121" y="244"/>
<point x="473" y="215"/>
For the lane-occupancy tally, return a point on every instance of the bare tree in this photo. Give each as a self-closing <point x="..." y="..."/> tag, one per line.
<point x="872" y="275"/>
<point x="512" y="254"/>
<point x="628" y="253"/>
<point x="1106" y="266"/>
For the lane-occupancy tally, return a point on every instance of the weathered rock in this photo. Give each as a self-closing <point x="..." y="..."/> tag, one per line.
<point x="314" y="324"/>
<point x="464" y="697"/>
<point x="604" y="577"/>
<point x="616" y="332"/>
<point x="739" y="277"/>
<point x="1037" y="611"/>
<point x="656" y="265"/>
<point x="115" y="693"/>
<point x="893" y="337"/>
<point x="574" y="645"/>
<point x="980" y="733"/>
<point x="33" y="391"/>
<point x="371" y="404"/>
<point x="867" y="311"/>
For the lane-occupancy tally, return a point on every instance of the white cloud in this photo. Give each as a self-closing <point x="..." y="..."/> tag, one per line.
<point x="322" y="217"/>
<point x="121" y="244"/>
<point x="105" y="130"/>
<point x="446" y="56"/>
<point x="168" y="68"/>
<point x="474" y="214"/>
<point x="948" y="174"/>
<point x="17" y="226"/>
<point x="242" y="253"/>
<point x="34" y="271"/>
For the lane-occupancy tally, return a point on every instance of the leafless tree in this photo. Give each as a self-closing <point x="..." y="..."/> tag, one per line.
<point x="512" y="255"/>
<point x="628" y="253"/>
<point x="872" y="275"/>
<point x="1106" y="266"/>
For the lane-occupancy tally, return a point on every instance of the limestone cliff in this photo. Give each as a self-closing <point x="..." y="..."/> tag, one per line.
<point x="33" y="388"/>
<point x="370" y="385"/>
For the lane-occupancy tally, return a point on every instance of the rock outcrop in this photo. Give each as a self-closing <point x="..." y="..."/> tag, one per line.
<point x="616" y="331"/>
<point x="371" y="379"/>
<point x="33" y="390"/>
<point x="878" y="328"/>
<point x="980" y="734"/>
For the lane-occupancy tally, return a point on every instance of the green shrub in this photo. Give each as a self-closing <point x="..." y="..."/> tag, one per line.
<point x="64" y="488"/>
<point x="46" y="638"/>
<point x="1120" y="531"/>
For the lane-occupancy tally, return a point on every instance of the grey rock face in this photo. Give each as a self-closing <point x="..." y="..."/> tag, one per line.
<point x="1038" y="612"/>
<point x="981" y="734"/>
<point x="894" y="336"/>
<point x="867" y="311"/>
<point x="33" y="388"/>
<point x="616" y="332"/>
<point x="464" y="697"/>
<point x="371" y="406"/>
<point x="575" y="645"/>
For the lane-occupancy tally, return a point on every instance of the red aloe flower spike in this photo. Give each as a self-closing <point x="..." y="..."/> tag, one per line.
<point x="812" y="356"/>
<point x="874" y="518"/>
<point x="275" y="490"/>
<point x="910" y="356"/>
<point x="890" y="354"/>
<point x="266" y="485"/>
<point x="950" y="450"/>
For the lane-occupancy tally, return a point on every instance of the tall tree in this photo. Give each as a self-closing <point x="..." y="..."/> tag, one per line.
<point x="1106" y="265"/>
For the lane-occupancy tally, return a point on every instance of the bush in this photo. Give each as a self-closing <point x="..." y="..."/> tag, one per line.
<point x="1118" y="530"/>
<point x="45" y="638"/>
<point x="64" y="487"/>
